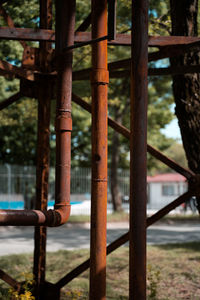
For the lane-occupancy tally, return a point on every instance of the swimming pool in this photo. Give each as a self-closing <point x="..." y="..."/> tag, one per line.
<point x="20" y="204"/>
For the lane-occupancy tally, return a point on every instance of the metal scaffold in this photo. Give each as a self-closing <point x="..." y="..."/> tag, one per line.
<point x="43" y="68"/>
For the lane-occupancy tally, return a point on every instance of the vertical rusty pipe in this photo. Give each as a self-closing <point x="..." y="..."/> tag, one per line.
<point x="65" y="23"/>
<point x="138" y="149"/>
<point x="99" y="82"/>
<point x="42" y="169"/>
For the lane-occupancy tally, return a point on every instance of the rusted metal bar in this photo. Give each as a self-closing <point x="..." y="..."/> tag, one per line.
<point x="153" y="41"/>
<point x="159" y="71"/>
<point x="27" y="34"/>
<point x="82" y="75"/>
<point x="9" y="280"/>
<point x="169" y="162"/>
<point x="86" y="23"/>
<point x="16" y="71"/>
<point x="42" y="175"/>
<point x="174" y="70"/>
<point x="124" y="239"/>
<point x="43" y="151"/>
<point x="162" y="41"/>
<point x="99" y="82"/>
<point x="88" y="42"/>
<point x="165" y="210"/>
<point x="30" y="34"/>
<point x="9" y="21"/>
<point x="126" y="132"/>
<point x="125" y="63"/>
<point x="165" y="52"/>
<point x="138" y="149"/>
<point x="10" y="100"/>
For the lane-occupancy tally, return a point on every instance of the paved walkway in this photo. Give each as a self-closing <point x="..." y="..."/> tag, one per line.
<point x="20" y="239"/>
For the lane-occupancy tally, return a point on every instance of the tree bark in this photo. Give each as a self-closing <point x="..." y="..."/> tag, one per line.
<point x="186" y="88"/>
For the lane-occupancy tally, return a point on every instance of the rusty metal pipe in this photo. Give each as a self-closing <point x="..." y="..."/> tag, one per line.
<point x="27" y="217"/>
<point x="138" y="149"/>
<point x="99" y="82"/>
<point x="65" y="24"/>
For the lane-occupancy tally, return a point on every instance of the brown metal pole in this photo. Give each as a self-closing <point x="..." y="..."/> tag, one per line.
<point x="99" y="82"/>
<point x="42" y="175"/>
<point x="42" y="169"/>
<point x="138" y="149"/>
<point x="65" y="23"/>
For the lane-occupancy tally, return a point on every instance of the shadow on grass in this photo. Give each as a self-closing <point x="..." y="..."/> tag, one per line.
<point x="191" y="246"/>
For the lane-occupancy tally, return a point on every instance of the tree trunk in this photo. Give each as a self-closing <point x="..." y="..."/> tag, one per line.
<point x="115" y="193"/>
<point x="186" y="88"/>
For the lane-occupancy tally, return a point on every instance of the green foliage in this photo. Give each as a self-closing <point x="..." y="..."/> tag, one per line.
<point x="75" y="294"/>
<point x="18" y="126"/>
<point x="153" y="278"/>
<point x="174" y="151"/>
<point x="26" y="292"/>
<point x="18" y="122"/>
<point x="159" y="17"/>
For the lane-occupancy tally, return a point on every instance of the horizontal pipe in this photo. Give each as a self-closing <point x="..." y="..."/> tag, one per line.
<point x="51" y="218"/>
<point x="123" y="239"/>
<point x="125" y="132"/>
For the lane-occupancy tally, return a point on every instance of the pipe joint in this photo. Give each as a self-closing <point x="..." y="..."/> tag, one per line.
<point x="63" y="123"/>
<point x="99" y="76"/>
<point x="61" y="214"/>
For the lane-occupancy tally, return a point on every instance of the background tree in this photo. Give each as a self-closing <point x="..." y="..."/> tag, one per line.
<point x="17" y="122"/>
<point x="186" y="88"/>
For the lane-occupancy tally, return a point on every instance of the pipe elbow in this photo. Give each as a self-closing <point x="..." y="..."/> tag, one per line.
<point x="58" y="216"/>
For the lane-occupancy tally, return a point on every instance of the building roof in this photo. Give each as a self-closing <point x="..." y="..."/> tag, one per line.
<point x="167" y="177"/>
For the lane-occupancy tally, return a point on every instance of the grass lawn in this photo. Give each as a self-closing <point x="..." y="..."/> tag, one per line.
<point x="124" y="217"/>
<point x="173" y="272"/>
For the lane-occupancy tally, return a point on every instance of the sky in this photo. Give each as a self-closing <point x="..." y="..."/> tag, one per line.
<point x="172" y="130"/>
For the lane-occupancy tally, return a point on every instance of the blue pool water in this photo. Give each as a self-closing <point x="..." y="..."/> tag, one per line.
<point x="20" y="204"/>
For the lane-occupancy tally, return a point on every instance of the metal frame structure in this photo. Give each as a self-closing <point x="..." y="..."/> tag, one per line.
<point x="37" y="76"/>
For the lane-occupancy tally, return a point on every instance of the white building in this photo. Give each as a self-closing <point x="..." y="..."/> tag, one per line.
<point x="164" y="188"/>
